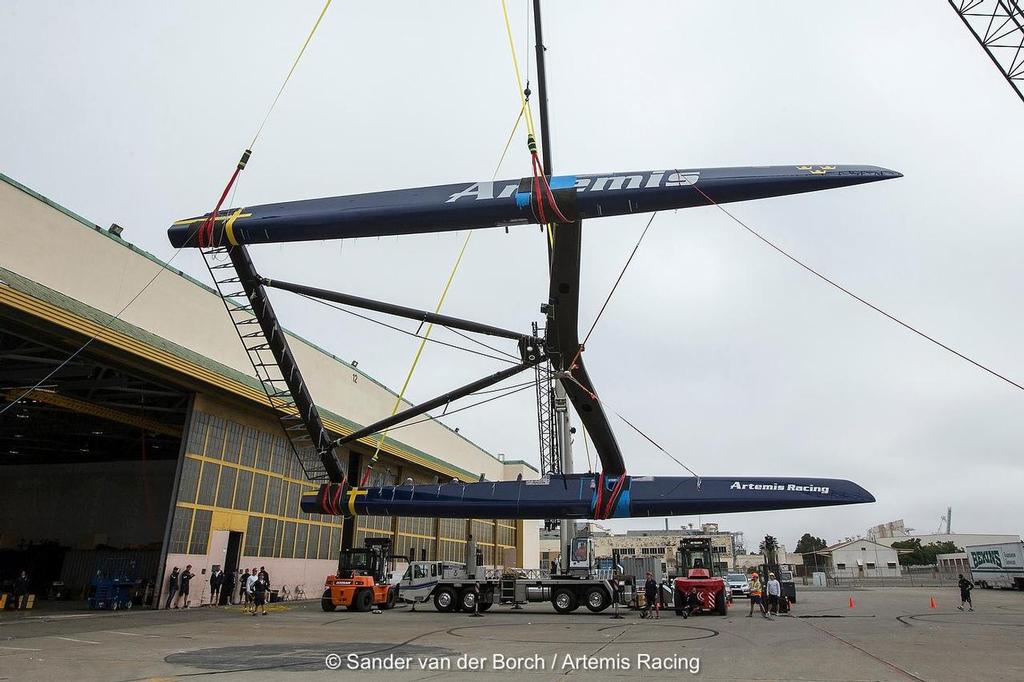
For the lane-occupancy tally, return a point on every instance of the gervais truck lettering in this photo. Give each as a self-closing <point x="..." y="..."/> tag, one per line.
<point x="787" y="487"/>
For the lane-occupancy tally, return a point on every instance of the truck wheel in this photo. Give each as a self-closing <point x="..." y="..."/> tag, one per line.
<point x="444" y="599"/>
<point x="362" y="601"/>
<point x="564" y="601"/>
<point x="679" y="601"/>
<point x="392" y="598"/>
<point x="467" y="600"/>
<point x="326" y="603"/>
<point x="597" y="599"/>
<point x="720" y="606"/>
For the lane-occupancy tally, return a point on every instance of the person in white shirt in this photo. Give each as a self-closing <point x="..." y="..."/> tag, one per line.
<point x="249" y="583"/>
<point x="774" y="589"/>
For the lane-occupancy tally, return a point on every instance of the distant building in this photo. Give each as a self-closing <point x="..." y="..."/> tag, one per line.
<point x="895" y="531"/>
<point x="861" y="558"/>
<point x="951" y="565"/>
<point x="646" y="543"/>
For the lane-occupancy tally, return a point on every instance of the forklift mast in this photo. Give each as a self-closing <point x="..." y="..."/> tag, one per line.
<point x="694" y="554"/>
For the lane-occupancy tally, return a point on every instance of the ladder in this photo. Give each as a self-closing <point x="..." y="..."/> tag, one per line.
<point x="258" y="348"/>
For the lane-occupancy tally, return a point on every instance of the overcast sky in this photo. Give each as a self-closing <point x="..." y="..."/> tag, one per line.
<point x="734" y="359"/>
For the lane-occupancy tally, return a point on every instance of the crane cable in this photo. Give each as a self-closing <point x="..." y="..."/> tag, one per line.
<point x="204" y="234"/>
<point x="541" y="187"/>
<point x="430" y="327"/>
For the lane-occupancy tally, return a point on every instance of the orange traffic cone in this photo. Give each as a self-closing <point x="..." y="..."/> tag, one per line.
<point x="933" y="605"/>
<point x="851" y="602"/>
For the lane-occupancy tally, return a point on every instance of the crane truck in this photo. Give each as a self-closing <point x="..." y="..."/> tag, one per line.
<point x="453" y="586"/>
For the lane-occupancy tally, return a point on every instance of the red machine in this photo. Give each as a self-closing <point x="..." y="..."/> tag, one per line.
<point x="697" y="588"/>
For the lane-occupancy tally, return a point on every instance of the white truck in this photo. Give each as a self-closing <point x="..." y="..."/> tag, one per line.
<point x="454" y="586"/>
<point x="999" y="565"/>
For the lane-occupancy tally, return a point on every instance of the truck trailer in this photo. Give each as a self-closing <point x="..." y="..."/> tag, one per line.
<point x="1000" y="565"/>
<point x="454" y="587"/>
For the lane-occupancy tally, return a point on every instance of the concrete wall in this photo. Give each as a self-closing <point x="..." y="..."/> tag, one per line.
<point x="54" y="249"/>
<point x="81" y="505"/>
<point x="308" y="573"/>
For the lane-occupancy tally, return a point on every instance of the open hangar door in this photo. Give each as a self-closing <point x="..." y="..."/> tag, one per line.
<point x="87" y="460"/>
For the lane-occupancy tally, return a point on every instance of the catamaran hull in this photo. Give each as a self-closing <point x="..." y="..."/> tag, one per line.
<point x="585" y="496"/>
<point x="511" y="202"/>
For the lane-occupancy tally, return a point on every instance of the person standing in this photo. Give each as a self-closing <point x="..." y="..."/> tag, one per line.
<point x="250" y="583"/>
<point x="216" y="580"/>
<point x="755" y="595"/>
<point x="264" y="575"/>
<point x="228" y="587"/>
<point x="260" y="588"/>
<point x="774" y="589"/>
<point x="21" y="588"/>
<point x="186" y="577"/>
<point x="172" y="588"/>
<point x="965" y="593"/>
<point x="650" y="597"/>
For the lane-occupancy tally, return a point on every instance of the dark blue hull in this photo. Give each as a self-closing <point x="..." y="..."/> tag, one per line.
<point x="582" y="496"/>
<point x="510" y="202"/>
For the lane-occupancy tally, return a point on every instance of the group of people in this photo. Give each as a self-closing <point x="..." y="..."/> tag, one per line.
<point x="768" y="598"/>
<point x="253" y="588"/>
<point x="178" y="586"/>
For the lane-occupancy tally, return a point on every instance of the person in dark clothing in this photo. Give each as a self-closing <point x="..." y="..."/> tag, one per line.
<point x="965" y="593"/>
<point x="21" y="588"/>
<point x="216" y="580"/>
<point x="172" y="588"/>
<point x="186" y="576"/>
<point x="263" y="575"/>
<point x="651" y="597"/>
<point x="259" y="593"/>
<point x="227" y="589"/>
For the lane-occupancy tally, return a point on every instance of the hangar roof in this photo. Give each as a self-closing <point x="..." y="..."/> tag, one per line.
<point x="27" y="294"/>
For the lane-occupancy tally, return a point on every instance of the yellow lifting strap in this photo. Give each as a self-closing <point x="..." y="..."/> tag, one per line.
<point x="419" y="352"/>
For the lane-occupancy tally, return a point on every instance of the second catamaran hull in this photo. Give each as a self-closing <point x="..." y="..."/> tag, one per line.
<point x="585" y="496"/>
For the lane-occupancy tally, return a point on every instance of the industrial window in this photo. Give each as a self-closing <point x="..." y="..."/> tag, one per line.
<point x="274" y="495"/>
<point x="247" y="456"/>
<point x="313" y="544"/>
<point x="259" y="493"/>
<point x="841" y="567"/>
<point x="891" y="564"/>
<point x="233" y="442"/>
<point x="268" y="537"/>
<point x="208" y="484"/>
<point x="252" y="536"/>
<point x="243" y="489"/>
<point x="215" y="438"/>
<point x="282" y="455"/>
<point x="871" y="564"/>
<point x="288" y="546"/>
<point x="626" y="550"/>
<point x="325" y="543"/>
<point x="201" y="531"/>
<point x="301" y="533"/>
<point x="197" y="433"/>
<point x="179" y="531"/>
<point x="189" y="480"/>
<point x="226" y="487"/>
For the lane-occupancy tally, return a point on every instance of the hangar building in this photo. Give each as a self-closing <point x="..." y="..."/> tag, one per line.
<point x="155" y="443"/>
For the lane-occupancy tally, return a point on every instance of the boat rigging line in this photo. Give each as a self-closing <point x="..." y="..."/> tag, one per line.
<point x="852" y="295"/>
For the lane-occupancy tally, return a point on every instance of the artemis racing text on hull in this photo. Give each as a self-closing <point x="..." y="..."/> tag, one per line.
<point x="511" y="202"/>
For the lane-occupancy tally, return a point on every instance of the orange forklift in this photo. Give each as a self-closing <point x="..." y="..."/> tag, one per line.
<point x="362" y="580"/>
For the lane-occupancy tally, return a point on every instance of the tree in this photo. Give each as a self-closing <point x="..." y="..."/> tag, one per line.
<point x="808" y="543"/>
<point x="768" y="547"/>
<point x="913" y="553"/>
